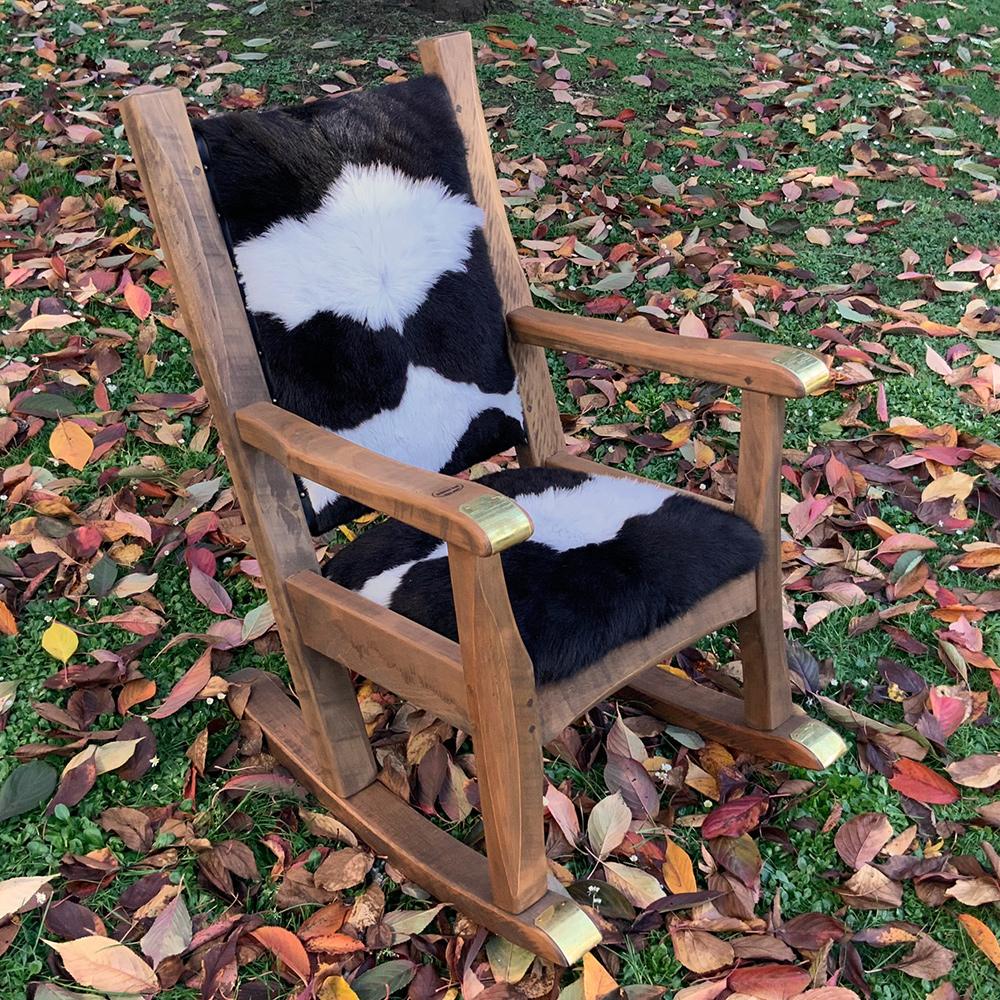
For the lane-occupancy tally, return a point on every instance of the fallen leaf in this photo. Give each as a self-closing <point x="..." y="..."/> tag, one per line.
<point x="104" y="964"/>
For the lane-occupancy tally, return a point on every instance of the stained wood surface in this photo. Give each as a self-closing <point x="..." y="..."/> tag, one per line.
<point x="767" y="690"/>
<point x="450" y="870"/>
<point x="742" y="363"/>
<point x="562" y="703"/>
<point x="500" y="689"/>
<point x="720" y="717"/>
<point x="227" y="360"/>
<point x="394" y="652"/>
<point x="426" y="500"/>
<point x="450" y="57"/>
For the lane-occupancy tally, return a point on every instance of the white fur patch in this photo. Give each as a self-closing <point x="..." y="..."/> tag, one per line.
<point x="587" y="514"/>
<point x="425" y="427"/>
<point x="381" y="587"/>
<point x="374" y="248"/>
<point x="590" y="513"/>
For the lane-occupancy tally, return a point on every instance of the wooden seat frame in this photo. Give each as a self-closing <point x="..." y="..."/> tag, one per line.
<point x="483" y="684"/>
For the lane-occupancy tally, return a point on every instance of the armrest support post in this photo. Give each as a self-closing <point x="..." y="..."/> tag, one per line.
<point x="767" y="695"/>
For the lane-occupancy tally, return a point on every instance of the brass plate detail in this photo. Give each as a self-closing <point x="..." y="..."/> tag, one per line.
<point x="807" y="368"/>
<point x="820" y="740"/>
<point x="504" y="523"/>
<point x="570" y="929"/>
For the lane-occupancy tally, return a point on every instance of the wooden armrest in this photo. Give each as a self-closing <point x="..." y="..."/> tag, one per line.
<point x="767" y="368"/>
<point x="459" y="511"/>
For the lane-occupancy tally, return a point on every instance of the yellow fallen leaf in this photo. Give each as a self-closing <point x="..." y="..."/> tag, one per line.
<point x="336" y="988"/>
<point x="59" y="641"/>
<point x="956" y="485"/>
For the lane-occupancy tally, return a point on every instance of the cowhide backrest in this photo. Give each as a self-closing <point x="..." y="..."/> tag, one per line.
<point x="366" y="276"/>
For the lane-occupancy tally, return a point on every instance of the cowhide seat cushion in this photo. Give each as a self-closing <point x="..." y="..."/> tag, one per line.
<point x="610" y="560"/>
<point x="366" y="276"/>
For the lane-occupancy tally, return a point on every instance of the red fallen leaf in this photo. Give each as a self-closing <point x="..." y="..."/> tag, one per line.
<point x="916" y="781"/>
<point x="138" y="300"/>
<point x="769" y="982"/>
<point x="210" y="592"/>
<point x="734" y="818"/>
<point x="196" y="677"/>
<point x="285" y="946"/>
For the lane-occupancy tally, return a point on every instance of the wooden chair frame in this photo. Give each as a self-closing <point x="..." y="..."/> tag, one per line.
<point x="483" y="684"/>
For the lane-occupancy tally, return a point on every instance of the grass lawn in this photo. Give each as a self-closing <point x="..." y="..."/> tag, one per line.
<point x="804" y="174"/>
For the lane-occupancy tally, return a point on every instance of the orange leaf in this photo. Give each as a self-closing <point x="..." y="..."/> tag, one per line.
<point x="678" y="871"/>
<point x="597" y="981"/>
<point x="8" y="626"/>
<point x="916" y="781"/>
<point x="982" y="937"/>
<point x="138" y="300"/>
<point x="285" y="946"/>
<point x="71" y="444"/>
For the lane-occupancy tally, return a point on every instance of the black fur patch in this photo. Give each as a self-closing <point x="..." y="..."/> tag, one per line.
<point x="575" y="606"/>
<point x="333" y="370"/>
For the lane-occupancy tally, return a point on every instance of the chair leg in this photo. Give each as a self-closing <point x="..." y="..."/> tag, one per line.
<point x="767" y="692"/>
<point x="506" y="731"/>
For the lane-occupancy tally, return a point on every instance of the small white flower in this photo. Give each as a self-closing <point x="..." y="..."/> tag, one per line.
<point x="89" y="576"/>
<point x="154" y="761"/>
<point x="48" y="618"/>
<point x="153" y="787"/>
<point x="92" y="602"/>
<point x="708" y="803"/>
<point x="209" y="701"/>
<point x="39" y="898"/>
<point x="36" y="390"/>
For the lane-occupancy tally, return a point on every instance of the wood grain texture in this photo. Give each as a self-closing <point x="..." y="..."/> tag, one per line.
<point x="767" y="690"/>
<point x="227" y="360"/>
<point x="399" y="654"/>
<point x="450" y="870"/>
<point x="500" y="689"/>
<point x="426" y="500"/>
<point x="741" y="363"/>
<point x="720" y="717"/>
<point x="450" y="57"/>
<point x="563" y="702"/>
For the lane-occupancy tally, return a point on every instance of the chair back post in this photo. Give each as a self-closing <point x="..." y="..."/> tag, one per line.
<point x="450" y="58"/>
<point x="226" y="356"/>
<point x="767" y="692"/>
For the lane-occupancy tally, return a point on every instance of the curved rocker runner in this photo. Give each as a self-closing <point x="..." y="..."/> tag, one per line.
<point x="461" y="604"/>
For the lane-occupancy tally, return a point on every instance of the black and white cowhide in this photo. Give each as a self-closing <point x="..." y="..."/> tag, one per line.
<point x="610" y="560"/>
<point x="366" y="276"/>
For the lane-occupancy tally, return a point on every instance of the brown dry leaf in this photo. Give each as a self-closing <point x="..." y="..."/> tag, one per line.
<point x="820" y="237"/>
<point x="927" y="960"/>
<point x="344" y="869"/>
<point x="869" y="889"/>
<point x="981" y="770"/>
<point x="700" y="951"/>
<point x="860" y="839"/>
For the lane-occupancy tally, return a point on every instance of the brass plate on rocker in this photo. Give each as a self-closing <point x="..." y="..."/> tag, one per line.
<point x="570" y="929"/>
<point x="820" y="740"/>
<point x="504" y="523"/>
<point x="806" y="367"/>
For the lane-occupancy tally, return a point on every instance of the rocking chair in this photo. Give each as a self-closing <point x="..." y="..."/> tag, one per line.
<point x="484" y="684"/>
